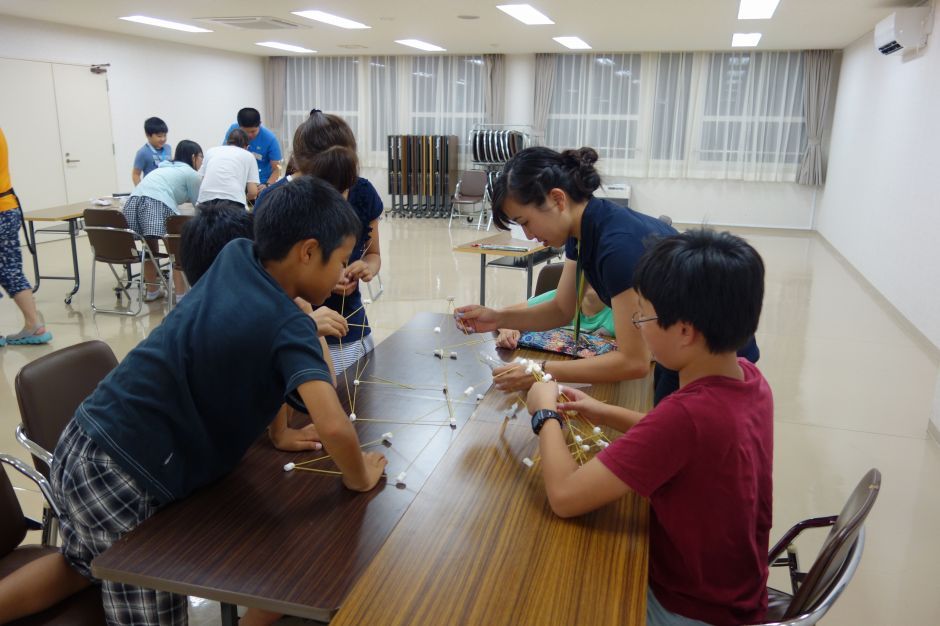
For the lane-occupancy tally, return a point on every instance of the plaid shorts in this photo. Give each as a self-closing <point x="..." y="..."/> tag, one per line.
<point x="147" y="216"/>
<point x="99" y="504"/>
<point x="351" y="352"/>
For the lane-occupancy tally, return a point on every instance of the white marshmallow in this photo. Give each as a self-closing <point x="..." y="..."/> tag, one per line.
<point x="352" y="417"/>
<point x="603" y="444"/>
<point x="356" y="383"/>
<point x="547" y="377"/>
<point x="387" y="436"/>
<point x="585" y="447"/>
<point x="577" y="439"/>
<point x="479" y="397"/>
<point x="366" y="301"/>
<point x="400" y="479"/>
<point x="514" y="407"/>
<point x="528" y="369"/>
<point x="453" y="355"/>
<point x="528" y="462"/>
<point x="597" y="429"/>
<point x="437" y="329"/>
<point x="468" y="391"/>
<point x="289" y="467"/>
<point x="453" y="422"/>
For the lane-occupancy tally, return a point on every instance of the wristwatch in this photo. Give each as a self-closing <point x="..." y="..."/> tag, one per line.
<point x="539" y="417"/>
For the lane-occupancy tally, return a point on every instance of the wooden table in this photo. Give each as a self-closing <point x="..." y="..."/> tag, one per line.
<point x="71" y="214"/>
<point x="509" y="250"/>
<point x="473" y="528"/>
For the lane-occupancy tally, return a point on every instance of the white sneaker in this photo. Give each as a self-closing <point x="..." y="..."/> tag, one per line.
<point x="152" y="296"/>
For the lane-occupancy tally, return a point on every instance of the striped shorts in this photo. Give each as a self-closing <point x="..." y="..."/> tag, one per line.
<point x="147" y="216"/>
<point x="351" y="352"/>
<point x="99" y="504"/>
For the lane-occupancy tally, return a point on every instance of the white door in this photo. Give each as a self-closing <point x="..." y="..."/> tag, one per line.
<point x="29" y="120"/>
<point x="87" y="148"/>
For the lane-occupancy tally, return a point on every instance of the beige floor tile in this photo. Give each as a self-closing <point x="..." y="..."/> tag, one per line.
<point x="852" y="383"/>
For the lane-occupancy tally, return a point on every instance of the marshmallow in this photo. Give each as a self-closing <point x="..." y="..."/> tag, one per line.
<point x="289" y="467"/>
<point x="356" y="383"/>
<point x="528" y="369"/>
<point x="468" y="391"/>
<point x="479" y="397"/>
<point x="585" y="447"/>
<point x="547" y="377"/>
<point x="439" y="354"/>
<point x="453" y="355"/>
<point x="444" y="389"/>
<point x="602" y="443"/>
<point x="577" y="439"/>
<point x="528" y="462"/>
<point x="400" y="479"/>
<point x="437" y="329"/>
<point x="597" y="430"/>
<point x="352" y="417"/>
<point x="387" y="436"/>
<point x="453" y="422"/>
<point x="514" y="407"/>
<point x="317" y="445"/>
<point x="366" y="301"/>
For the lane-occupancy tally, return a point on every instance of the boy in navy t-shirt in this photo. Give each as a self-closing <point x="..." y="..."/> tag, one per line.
<point x="183" y="407"/>
<point x="704" y="455"/>
<point x="152" y="153"/>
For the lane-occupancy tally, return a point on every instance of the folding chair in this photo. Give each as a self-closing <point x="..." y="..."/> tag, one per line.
<point x="48" y="391"/>
<point x="114" y="243"/>
<point x="815" y="591"/>
<point x="471" y="190"/>
<point x="171" y="241"/>
<point x="80" y="608"/>
<point x="548" y="278"/>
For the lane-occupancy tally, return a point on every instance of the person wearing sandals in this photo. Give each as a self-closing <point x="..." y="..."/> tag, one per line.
<point x="11" y="261"/>
<point x="156" y="198"/>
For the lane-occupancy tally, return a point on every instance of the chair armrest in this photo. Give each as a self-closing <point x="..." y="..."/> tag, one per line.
<point x="793" y="533"/>
<point x="32" y="447"/>
<point x="35" y="476"/>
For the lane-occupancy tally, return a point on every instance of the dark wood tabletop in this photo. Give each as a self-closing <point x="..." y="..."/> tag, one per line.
<point x="297" y="542"/>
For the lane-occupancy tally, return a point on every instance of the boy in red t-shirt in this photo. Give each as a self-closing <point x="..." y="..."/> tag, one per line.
<point x="704" y="455"/>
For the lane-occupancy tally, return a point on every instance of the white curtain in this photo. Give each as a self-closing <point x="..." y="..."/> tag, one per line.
<point x="494" y="88"/>
<point x="326" y="83"/>
<point x="544" y="90"/>
<point x="275" y="86"/>
<point x="388" y="95"/>
<point x="684" y="115"/>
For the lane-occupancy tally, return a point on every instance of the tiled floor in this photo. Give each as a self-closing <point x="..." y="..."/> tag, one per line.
<point x="852" y="383"/>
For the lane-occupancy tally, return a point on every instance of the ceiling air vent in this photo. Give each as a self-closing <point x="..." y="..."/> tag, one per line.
<point x="253" y="22"/>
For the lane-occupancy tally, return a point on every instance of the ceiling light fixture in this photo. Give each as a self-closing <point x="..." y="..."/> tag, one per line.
<point x="153" y="21"/>
<point x="525" y="13"/>
<point x="329" y="18"/>
<point x="745" y="40"/>
<point x="757" y="9"/>
<point x="283" y="46"/>
<point x="420" y="45"/>
<point x="572" y="43"/>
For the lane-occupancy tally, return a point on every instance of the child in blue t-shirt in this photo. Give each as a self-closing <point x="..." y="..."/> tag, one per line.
<point x="232" y="358"/>
<point x="152" y="153"/>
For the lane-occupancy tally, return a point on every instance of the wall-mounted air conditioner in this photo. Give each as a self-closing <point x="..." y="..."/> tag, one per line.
<point x="905" y="28"/>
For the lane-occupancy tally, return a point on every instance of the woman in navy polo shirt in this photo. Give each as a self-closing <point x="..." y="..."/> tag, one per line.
<point x="550" y="194"/>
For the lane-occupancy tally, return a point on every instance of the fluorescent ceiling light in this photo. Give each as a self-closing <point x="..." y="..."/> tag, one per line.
<point x="757" y="9"/>
<point x="152" y="21"/>
<point x="745" y="40"/>
<point x="572" y="43"/>
<point x="525" y="13"/>
<point x="420" y="45"/>
<point x="283" y="46"/>
<point x="328" y="18"/>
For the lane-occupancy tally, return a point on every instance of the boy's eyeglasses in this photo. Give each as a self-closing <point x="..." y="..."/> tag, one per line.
<point x="637" y="320"/>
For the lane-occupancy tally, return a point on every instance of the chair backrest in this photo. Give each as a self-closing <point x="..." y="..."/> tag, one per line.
<point x="548" y="279"/>
<point x="12" y="523"/>
<point x="473" y="183"/>
<point x="831" y="566"/>
<point x="110" y="237"/>
<point x="50" y="389"/>
<point x="175" y="223"/>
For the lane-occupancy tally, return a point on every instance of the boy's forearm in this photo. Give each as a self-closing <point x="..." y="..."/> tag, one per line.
<point x="339" y="438"/>
<point x="557" y="463"/>
<point x="619" y="418"/>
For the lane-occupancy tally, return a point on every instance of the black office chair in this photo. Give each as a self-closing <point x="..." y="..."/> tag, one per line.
<point x="814" y="592"/>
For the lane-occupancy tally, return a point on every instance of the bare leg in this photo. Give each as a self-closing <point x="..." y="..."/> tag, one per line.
<point x="38" y="585"/>
<point x="178" y="283"/>
<point x="257" y="617"/>
<point x="27" y="304"/>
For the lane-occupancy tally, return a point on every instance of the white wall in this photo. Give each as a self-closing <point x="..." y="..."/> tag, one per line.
<point x="196" y="91"/>
<point x="720" y="203"/>
<point x="879" y="208"/>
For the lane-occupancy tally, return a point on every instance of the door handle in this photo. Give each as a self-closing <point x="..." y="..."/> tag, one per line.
<point x="73" y="160"/>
